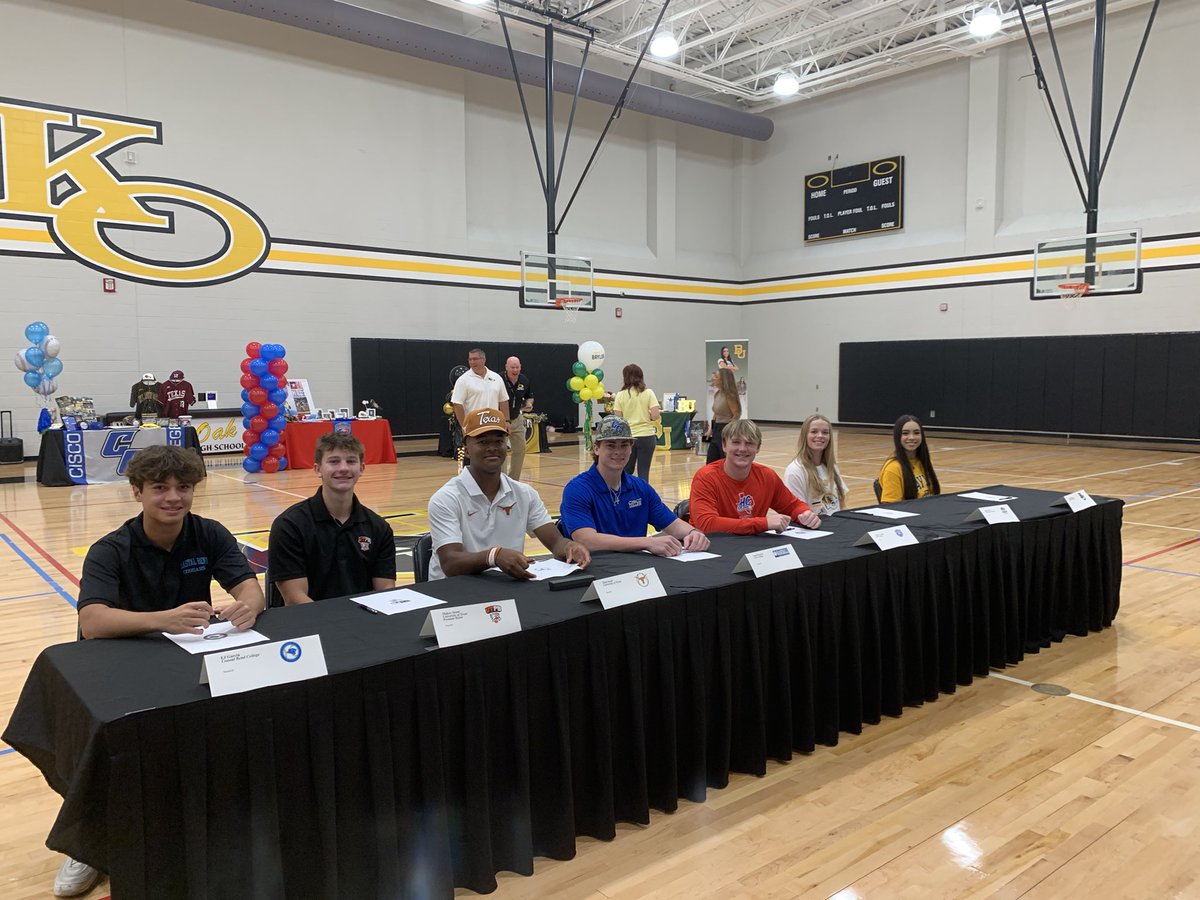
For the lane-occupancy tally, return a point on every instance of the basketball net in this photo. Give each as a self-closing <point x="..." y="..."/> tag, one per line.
<point x="1073" y="290"/>
<point x="570" y="306"/>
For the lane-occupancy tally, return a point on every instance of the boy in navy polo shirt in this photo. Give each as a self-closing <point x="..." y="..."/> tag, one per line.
<point x="605" y="508"/>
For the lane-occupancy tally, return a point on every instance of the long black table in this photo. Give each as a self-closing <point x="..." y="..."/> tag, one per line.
<point x="410" y="770"/>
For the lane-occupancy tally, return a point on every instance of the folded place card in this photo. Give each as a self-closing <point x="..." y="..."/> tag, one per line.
<point x="397" y="601"/>
<point x="773" y="559"/>
<point x="631" y="587"/>
<point x="886" y="538"/>
<point x="993" y="515"/>
<point x="1078" y="501"/>
<point x="248" y="668"/>
<point x="466" y="624"/>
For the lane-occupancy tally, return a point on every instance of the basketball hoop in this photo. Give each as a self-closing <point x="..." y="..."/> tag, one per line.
<point x="569" y="305"/>
<point x="1073" y="290"/>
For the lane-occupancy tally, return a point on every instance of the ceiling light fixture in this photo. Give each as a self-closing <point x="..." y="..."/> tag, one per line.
<point x="664" y="45"/>
<point x="786" y="84"/>
<point x="985" y="22"/>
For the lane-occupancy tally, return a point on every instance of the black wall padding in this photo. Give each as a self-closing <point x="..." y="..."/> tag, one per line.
<point x="1138" y="385"/>
<point x="410" y="379"/>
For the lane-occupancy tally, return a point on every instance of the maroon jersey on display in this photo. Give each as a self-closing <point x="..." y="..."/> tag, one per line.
<point x="176" y="395"/>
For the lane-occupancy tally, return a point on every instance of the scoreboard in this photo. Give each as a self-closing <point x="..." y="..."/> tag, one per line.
<point x="863" y="199"/>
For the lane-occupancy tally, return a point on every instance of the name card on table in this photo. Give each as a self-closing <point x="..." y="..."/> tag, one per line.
<point x="466" y="624"/>
<point x="887" y="538"/>
<point x="1078" y="501"/>
<point x="621" y="590"/>
<point x="249" y="668"/>
<point x="993" y="515"/>
<point x="766" y="562"/>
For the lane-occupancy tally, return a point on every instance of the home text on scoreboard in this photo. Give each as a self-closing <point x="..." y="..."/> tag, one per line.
<point x="863" y="199"/>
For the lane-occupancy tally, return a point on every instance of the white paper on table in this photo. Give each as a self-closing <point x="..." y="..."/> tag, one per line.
<point x="980" y="495"/>
<point x="219" y="636"/>
<point x="1078" y="501"/>
<point x="400" y="600"/>
<point x="803" y="534"/>
<point x="551" y="568"/>
<point x="692" y="556"/>
<point x="887" y="513"/>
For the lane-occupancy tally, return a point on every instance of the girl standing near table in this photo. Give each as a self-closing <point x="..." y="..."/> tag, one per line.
<point x="813" y="475"/>
<point x="637" y="405"/>
<point x="908" y="473"/>
<point x="726" y="408"/>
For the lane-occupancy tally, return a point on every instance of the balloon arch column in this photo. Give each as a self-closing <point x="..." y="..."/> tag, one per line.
<point x="264" y="391"/>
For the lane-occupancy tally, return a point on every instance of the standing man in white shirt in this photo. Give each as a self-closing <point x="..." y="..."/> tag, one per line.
<point x="479" y="388"/>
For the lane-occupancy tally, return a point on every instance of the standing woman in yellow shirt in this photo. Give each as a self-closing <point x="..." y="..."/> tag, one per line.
<point x="908" y="473"/>
<point x="637" y="405"/>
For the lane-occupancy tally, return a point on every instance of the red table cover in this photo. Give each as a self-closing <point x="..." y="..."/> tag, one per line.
<point x="300" y="439"/>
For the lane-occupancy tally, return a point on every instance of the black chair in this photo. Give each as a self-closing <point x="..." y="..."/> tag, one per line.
<point x="682" y="509"/>
<point x="421" y="554"/>
<point x="878" y="490"/>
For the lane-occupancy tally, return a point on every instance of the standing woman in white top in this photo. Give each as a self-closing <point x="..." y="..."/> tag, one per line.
<point x="813" y="475"/>
<point x="637" y="405"/>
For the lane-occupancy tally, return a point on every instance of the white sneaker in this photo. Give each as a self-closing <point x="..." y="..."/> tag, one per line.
<point x="75" y="878"/>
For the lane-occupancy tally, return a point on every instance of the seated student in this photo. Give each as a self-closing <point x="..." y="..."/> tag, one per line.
<point x="479" y="518"/>
<point x="330" y="545"/>
<point x="908" y="473"/>
<point x="813" y="475"/>
<point x="605" y="508"/>
<point x="154" y="574"/>
<point x="736" y="494"/>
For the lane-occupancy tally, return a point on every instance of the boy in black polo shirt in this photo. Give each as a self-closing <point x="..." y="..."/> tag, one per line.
<point x="330" y="545"/>
<point x="154" y="573"/>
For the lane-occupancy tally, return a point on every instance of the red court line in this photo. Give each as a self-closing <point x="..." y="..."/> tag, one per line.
<point x="46" y="556"/>
<point x="1163" y="550"/>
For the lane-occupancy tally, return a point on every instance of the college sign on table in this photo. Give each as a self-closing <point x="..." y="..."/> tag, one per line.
<point x="101" y="457"/>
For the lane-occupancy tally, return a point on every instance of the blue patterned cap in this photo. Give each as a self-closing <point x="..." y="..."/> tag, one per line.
<point x="612" y="428"/>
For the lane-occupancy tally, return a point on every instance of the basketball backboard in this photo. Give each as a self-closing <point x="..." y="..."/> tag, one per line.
<point x="1092" y="264"/>
<point x="549" y="280"/>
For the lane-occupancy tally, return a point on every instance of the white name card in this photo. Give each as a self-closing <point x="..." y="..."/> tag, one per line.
<point x="400" y="600"/>
<point x="887" y="538"/>
<point x="620" y="590"/>
<point x="249" y="668"/>
<point x="993" y="515"/>
<point x="1078" y="501"/>
<point x="773" y="559"/>
<point x="466" y="624"/>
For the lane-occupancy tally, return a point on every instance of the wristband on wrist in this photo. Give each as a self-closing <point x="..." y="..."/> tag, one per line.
<point x="491" y="560"/>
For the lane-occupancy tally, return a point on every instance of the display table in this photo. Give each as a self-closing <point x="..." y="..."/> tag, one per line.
<point x="99" y="456"/>
<point x="407" y="772"/>
<point x="675" y="430"/>
<point x="300" y="439"/>
<point x="218" y="430"/>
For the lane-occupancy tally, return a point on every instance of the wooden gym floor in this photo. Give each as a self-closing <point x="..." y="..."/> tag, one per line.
<point x="996" y="791"/>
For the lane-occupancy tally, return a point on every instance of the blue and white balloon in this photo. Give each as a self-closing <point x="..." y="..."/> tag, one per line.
<point x="35" y="332"/>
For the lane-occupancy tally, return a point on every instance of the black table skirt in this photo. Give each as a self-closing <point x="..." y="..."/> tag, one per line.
<point x="408" y="776"/>
<point x="52" y="467"/>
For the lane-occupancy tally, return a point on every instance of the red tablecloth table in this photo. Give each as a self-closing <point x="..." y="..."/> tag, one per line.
<point x="300" y="438"/>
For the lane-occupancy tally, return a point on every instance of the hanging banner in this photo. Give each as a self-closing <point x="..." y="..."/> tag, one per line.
<point x="732" y="355"/>
<point x="101" y="457"/>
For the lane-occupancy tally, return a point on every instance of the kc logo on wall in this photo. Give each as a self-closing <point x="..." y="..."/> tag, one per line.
<point x="56" y="167"/>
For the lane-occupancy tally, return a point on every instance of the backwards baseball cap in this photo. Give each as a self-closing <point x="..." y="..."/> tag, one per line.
<point x="147" y="376"/>
<point x="612" y="428"/>
<point x="481" y="421"/>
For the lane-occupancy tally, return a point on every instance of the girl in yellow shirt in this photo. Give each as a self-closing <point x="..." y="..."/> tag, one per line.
<point x="908" y="473"/>
<point x="637" y="405"/>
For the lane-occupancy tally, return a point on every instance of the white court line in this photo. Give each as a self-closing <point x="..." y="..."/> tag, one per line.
<point x="1162" y="497"/>
<point x="1107" y="705"/>
<point x="1165" y="462"/>
<point x="1172" y="527"/>
<point x="263" y="486"/>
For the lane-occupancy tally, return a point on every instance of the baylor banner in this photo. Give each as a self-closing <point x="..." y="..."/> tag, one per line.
<point x="101" y="457"/>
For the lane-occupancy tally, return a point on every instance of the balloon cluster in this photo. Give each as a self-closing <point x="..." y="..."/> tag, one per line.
<point x="264" y="391"/>
<point x="587" y="382"/>
<point x="40" y="361"/>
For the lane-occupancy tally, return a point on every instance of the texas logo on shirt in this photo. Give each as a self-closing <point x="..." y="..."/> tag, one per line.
<point x="745" y="506"/>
